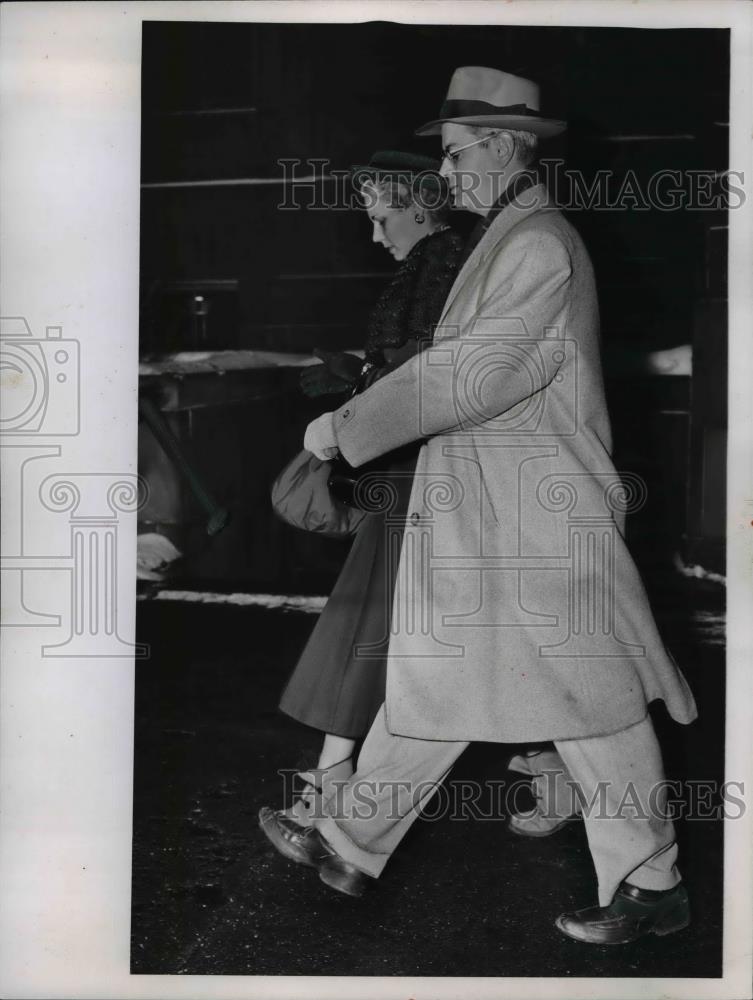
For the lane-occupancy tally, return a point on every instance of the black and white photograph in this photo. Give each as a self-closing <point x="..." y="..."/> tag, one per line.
<point x="415" y="599"/>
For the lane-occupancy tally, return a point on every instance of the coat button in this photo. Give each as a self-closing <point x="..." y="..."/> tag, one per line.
<point x="346" y="413"/>
<point x="415" y="518"/>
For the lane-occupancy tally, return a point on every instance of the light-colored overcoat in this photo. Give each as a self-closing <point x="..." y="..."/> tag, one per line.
<point x="518" y="613"/>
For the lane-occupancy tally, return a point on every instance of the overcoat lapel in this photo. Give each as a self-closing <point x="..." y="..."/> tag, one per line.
<point x="533" y="200"/>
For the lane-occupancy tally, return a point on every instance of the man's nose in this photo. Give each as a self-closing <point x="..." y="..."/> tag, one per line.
<point x="445" y="167"/>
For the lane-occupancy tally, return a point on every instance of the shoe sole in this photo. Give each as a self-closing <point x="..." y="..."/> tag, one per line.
<point x="268" y="826"/>
<point x="669" y="927"/>
<point x="666" y="926"/>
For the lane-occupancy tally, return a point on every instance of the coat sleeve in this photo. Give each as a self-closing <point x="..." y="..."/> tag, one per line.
<point x="480" y="371"/>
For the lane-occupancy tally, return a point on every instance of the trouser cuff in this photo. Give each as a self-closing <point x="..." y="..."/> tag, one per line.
<point x="366" y="861"/>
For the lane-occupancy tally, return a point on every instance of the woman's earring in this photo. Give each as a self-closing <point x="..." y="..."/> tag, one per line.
<point x="420" y="218"/>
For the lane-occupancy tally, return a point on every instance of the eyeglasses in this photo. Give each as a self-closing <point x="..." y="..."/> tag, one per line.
<point x="452" y="156"/>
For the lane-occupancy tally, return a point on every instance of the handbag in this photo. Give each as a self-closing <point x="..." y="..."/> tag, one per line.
<point x="378" y="487"/>
<point x="301" y="497"/>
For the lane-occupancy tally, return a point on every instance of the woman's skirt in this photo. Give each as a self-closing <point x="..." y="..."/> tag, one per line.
<point x="338" y="684"/>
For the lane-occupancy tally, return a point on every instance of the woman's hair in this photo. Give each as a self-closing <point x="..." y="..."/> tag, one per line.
<point x="426" y="193"/>
<point x="526" y="144"/>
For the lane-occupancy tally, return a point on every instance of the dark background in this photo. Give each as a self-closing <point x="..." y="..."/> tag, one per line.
<point x="225" y="102"/>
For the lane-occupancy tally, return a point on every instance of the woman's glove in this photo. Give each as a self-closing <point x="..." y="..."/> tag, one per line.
<point x="337" y="373"/>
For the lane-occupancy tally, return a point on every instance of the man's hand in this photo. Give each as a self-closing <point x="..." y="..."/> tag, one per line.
<point x="320" y="439"/>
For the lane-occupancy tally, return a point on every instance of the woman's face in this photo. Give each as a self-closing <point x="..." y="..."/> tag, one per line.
<point x="394" y="227"/>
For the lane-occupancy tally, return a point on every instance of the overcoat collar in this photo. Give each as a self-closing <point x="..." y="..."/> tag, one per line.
<point x="533" y="199"/>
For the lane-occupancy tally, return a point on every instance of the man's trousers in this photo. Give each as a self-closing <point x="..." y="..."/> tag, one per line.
<point x="616" y="782"/>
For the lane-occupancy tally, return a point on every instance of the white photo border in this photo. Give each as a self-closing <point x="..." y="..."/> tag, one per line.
<point x="70" y="76"/>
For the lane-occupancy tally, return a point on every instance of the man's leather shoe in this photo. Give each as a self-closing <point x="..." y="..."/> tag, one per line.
<point x="341" y="875"/>
<point x="335" y="871"/>
<point x="306" y="846"/>
<point x="295" y="842"/>
<point x="632" y="914"/>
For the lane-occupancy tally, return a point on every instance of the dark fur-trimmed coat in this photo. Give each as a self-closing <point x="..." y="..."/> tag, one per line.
<point x="404" y="317"/>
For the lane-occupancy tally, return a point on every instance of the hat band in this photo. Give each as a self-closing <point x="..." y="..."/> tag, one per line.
<point x="468" y="109"/>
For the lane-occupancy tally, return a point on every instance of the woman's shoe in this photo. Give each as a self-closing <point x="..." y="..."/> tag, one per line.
<point x="535" y="824"/>
<point x="320" y="784"/>
<point x="287" y="829"/>
<point x="556" y="801"/>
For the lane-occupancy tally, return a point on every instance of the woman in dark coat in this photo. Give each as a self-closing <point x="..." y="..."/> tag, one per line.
<point x="339" y="682"/>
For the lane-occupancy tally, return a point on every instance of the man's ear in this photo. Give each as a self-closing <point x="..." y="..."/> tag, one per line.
<point x="504" y="146"/>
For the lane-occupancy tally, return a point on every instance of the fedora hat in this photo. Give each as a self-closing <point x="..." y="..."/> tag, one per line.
<point x="490" y="98"/>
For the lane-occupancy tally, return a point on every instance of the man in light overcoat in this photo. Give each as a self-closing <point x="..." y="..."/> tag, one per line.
<point x="519" y="615"/>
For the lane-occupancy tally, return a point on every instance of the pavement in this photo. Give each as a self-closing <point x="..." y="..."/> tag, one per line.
<point x="461" y="897"/>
